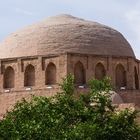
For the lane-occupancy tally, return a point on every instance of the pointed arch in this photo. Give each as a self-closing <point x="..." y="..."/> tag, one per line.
<point x="29" y="76"/>
<point x="136" y="78"/>
<point x="120" y="75"/>
<point x="50" y="74"/>
<point x="9" y="78"/>
<point x="100" y="71"/>
<point x="79" y="74"/>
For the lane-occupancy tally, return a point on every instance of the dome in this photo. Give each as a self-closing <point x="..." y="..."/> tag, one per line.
<point x="65" y="34"/>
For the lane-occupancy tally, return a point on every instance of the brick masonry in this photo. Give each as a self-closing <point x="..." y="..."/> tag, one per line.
<point x="65" y="64"/>
<point x="72" y="45"/>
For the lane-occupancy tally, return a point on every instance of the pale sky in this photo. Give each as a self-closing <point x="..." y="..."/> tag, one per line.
<point x="123" y="15"/>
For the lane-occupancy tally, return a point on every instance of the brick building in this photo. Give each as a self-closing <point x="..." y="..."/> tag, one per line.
<point x="34" y="60"/>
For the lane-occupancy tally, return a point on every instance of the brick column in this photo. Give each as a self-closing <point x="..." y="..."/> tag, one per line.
<point x="1" y="76"/>
<point x="90" y="71"/>
<point x="130" y="74"/>
<point x="139" y="73"/>
<point x="70" y="66"/>
<point x="62" y="70"/>
<point x="19" y="76"/>
<point x="110" y="73"/>
<point x="40" y="74"/>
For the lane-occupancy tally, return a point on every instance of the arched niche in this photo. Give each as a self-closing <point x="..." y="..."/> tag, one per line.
<point x="120" y="76"/>
<point x="9" y="78"/>
<point x="79" y="74"/>
<point x="50" y="74"/>
<point x="29" y="76"/>
<point x="136" y="78"/>
<point x="100" y="71"/>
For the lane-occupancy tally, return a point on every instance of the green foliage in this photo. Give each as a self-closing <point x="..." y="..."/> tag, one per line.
<point x="68" y="85"/>
<point x="100" y="95"/>
<point x="100" y="85"/>
<point x="65" y="117"/>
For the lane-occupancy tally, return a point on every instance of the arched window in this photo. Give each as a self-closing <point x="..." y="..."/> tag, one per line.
<point x="50" y="74"/>
<point x="136" y="78"/>
<point x="9" y="78"/>
<point x="100" y="71"/>
<point x="79" y="74"/>
<point x="29" y="76"/>
<point x="120" y="76"/>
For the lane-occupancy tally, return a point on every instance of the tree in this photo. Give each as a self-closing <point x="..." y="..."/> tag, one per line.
<point x="90" y="116"/>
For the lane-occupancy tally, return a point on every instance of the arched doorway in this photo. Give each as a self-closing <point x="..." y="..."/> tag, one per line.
<point x="100" y="71"/>
<point x="79" y="74"/>
<point x="120" y="76"/>
<point x="50" y="74"/>
<point x="136" y="78"/>
<point x="29" y="76"/>
<point x="9" y="78"/>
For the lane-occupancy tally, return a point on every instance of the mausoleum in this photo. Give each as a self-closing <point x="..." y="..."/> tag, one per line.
<point x="34" y="59"/>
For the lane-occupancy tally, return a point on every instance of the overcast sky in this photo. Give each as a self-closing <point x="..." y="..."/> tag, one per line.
<point x="123" y="15"/>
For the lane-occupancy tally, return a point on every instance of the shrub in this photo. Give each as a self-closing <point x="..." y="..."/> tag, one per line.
<point x="64" y="117"/>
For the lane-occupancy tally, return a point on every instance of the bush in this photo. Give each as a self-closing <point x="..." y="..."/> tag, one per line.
<point x="64" y="117"/>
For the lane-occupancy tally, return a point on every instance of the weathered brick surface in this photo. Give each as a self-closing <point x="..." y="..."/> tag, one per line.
<point x="65" y="33"/>
<point x="131" y="96"/>
<point x="7" y="100"/>
<point x="66" y="41"/>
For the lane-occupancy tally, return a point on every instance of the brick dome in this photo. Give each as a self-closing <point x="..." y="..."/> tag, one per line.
<point x="65" y="33"/>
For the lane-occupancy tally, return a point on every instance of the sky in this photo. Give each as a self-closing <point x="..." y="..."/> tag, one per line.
<point x="123" y="15"/>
